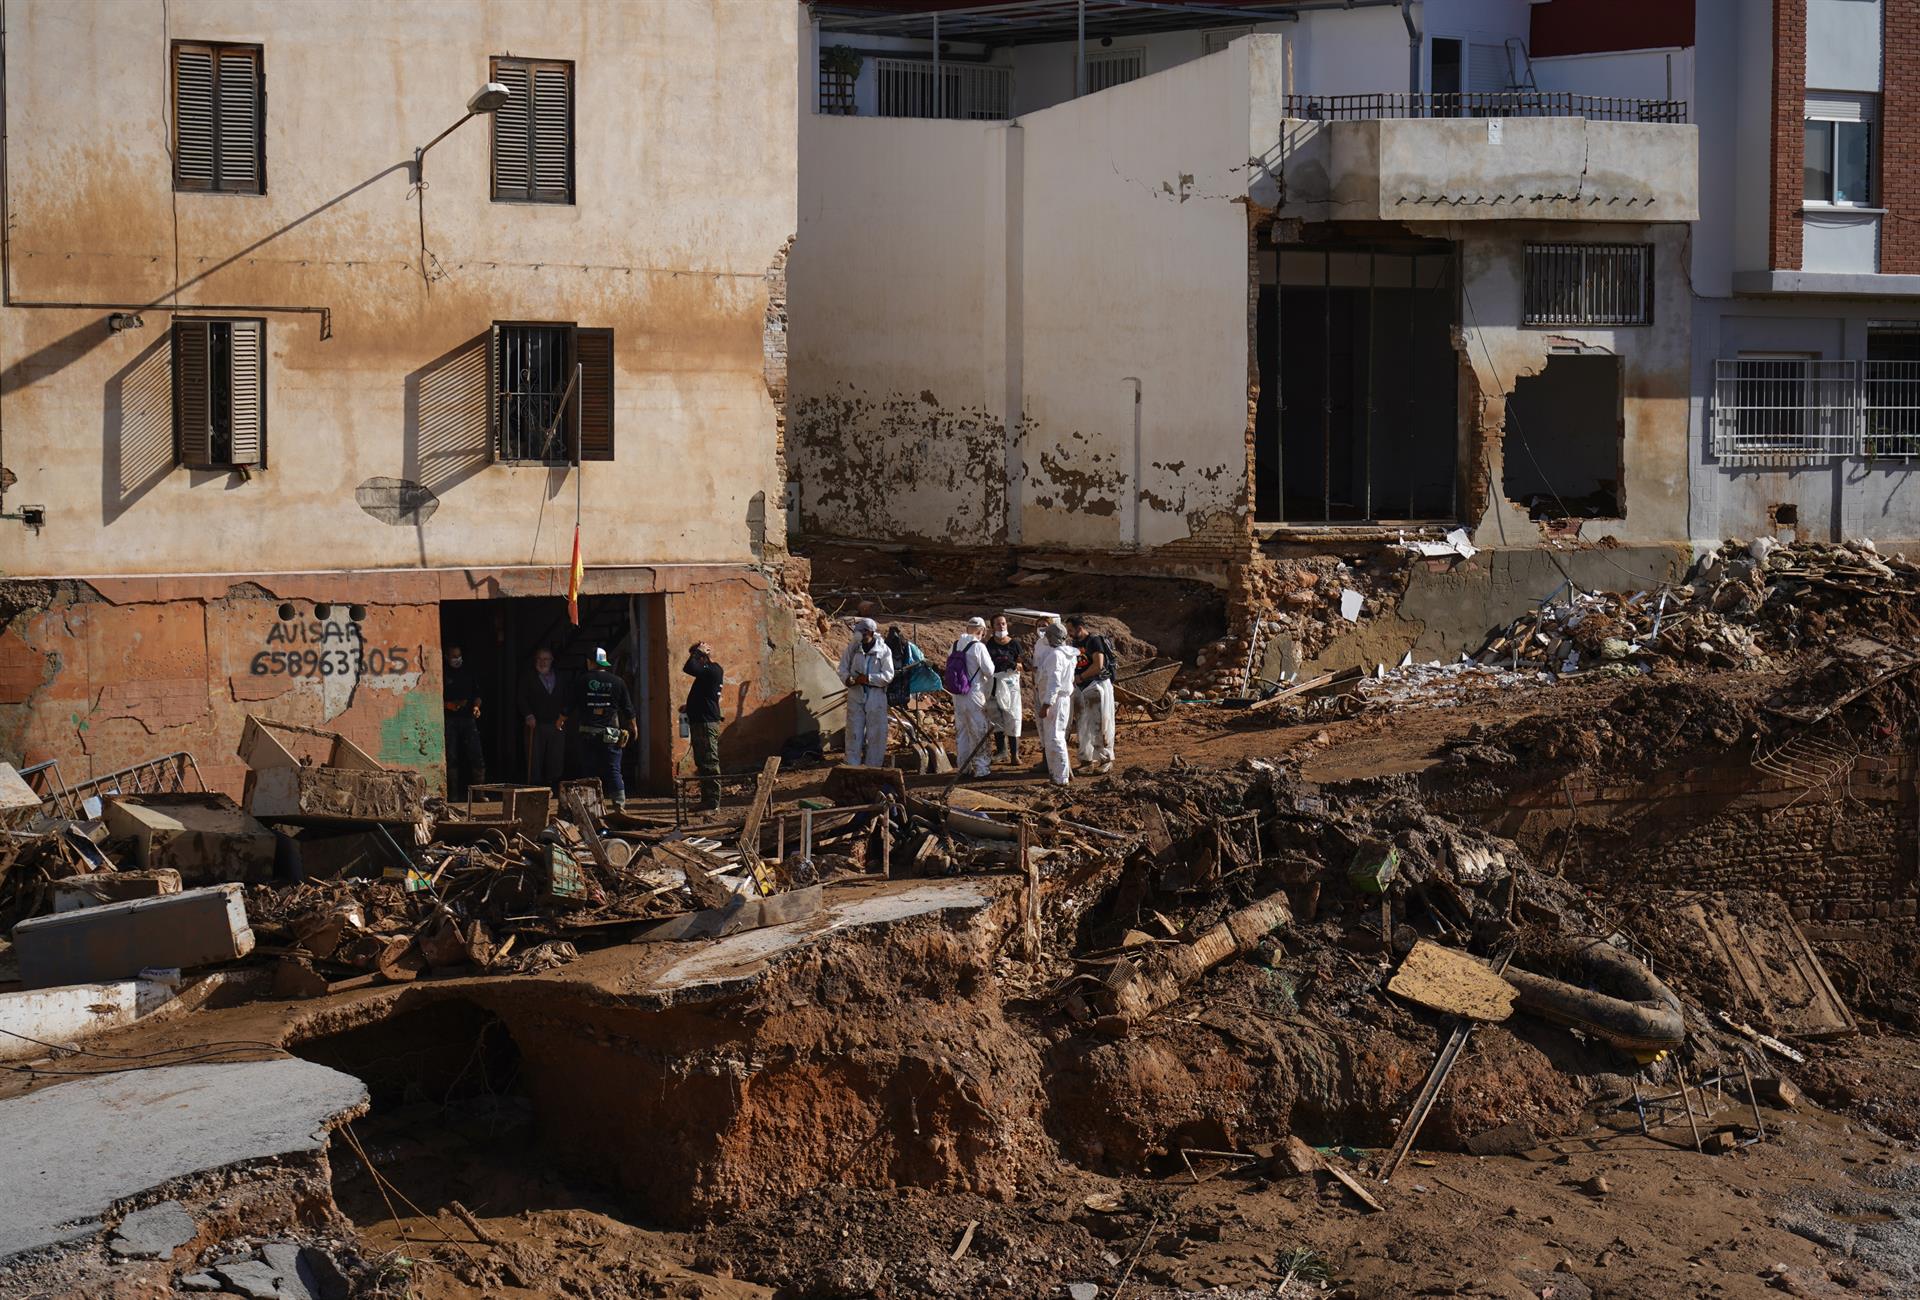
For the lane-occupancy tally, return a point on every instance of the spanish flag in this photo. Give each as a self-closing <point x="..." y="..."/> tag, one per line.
<point x="574" y="576"/>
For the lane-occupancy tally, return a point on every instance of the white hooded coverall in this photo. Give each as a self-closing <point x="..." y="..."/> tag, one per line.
<point x="970" y="720"/>
<point x="1052" y="702"/>
<point x="867" y="705"/>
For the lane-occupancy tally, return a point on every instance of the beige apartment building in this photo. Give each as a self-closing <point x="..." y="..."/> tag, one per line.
<point x="288" y="408"/>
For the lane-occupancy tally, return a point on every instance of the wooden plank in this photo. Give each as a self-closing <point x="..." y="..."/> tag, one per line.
<point x="757" y="810"/>
<point x="699" y="867"/>
<point x="583" y="821"/>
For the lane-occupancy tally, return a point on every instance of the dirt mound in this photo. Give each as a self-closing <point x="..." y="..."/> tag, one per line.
<point x="1646" y="727"/>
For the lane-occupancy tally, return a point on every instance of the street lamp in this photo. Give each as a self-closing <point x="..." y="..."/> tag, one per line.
<point x="487" y="99"/>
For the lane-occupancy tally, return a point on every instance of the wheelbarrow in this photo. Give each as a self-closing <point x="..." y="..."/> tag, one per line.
<point x="1148" y="687"/>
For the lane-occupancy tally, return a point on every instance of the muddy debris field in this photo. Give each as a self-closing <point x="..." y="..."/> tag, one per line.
<point x="1581" y="966"/>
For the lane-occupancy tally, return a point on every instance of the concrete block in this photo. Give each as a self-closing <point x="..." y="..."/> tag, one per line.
<point x="155" y="1232"/>
<point x="336" y="795"/>
<point x="73" y="1011"/>
<point x="205" y="837"/>
<point x="119" y="940"/>
<point x="99" y="887"/>
<point x="18" y="803"/>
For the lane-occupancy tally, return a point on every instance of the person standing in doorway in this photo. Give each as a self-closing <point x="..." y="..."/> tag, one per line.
<point x="703" y="720"/>
<point x="1093" y="696"/>
<point x="969" y="678"/>
<point x="866" y="666"/>
<point x="544" y="695"/>
<point x="1006" y="705"/>
<point x="602" y="716"/>
<point x="460" y="693"/>
<point x="1053" y="665"/>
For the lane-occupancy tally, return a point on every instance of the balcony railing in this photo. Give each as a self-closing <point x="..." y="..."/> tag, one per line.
<point x="1776" y="411"/>
<point x="969" y="91"/>
<point x="1484" y="103"/>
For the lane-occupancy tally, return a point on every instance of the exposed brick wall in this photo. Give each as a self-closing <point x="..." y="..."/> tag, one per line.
<point x="1789" y="140"/>
<point x="1846" y="854"/>
<point x="1900" y="138"/>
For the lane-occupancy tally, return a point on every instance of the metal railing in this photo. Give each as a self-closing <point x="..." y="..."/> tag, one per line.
<point x="166" y="774"/>
<point x="965" y="91"/>
<point x="1798" y="411"/>
<point x="1588" y="284"/>
<point x="1484" y="103"/>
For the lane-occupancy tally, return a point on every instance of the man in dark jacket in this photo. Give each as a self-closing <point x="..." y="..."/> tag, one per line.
<point x="544" y="695"/>
<point x="704" y="718"/>
<point x="460" y="694"/>
<point x="602" y="716"/>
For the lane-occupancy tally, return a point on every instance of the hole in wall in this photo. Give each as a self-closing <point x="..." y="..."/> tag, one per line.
<point x="1563" y="439"/>
<point x="287" y="611"/>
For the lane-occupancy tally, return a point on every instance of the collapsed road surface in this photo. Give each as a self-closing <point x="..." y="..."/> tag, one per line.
<point x="1464" y="980"/>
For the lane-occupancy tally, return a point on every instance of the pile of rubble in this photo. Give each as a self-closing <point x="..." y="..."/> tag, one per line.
<point x="1744" y="606"/>
<point x="1285" y="612"/>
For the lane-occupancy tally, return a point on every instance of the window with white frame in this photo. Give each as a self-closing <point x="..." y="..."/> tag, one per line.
<point x="1838" y="162"/>
<point x="1784" y="408"/>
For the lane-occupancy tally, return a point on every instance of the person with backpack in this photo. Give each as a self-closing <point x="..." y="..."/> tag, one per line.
<point x="1093" y="696"/>
<point x="866" y="666"/>
<point x="969" y="678"/>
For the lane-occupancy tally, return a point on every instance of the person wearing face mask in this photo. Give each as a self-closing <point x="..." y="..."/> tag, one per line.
<point x="460" y="693"/>
<point x="866" y="666"/>
<point x="1054" y="664"/>
<point x="1004" y="705"/>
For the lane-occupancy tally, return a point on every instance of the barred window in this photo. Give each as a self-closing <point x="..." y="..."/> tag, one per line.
<point x="1588" y="284"/>
<point x="1785" y="409"/>
<point x="552" y="393"/>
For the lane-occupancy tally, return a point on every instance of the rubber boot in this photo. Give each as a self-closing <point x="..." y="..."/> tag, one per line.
<point x="1013" y="751"/>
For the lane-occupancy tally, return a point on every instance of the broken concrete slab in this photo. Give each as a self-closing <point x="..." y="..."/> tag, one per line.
<point x="32" y="1017"/>
<point x="739" y="914"/>
<point x="18" y="802"/>
<point x="69" y="1153"/>
<point x="205" y="837"/>
<point x="119" y="940"/>
<point x="254" y="1279"/>
<point x="155" y="1232"/>
<point x="97" y="887"/>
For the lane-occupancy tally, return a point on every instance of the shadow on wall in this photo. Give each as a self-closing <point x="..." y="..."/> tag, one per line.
<point x="448" y="424"/>
<point x="136" y="428"/>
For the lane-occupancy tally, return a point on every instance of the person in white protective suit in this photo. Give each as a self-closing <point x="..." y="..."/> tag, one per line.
<point x="971" y="722"/>
<point x="866" y="666"/>
<point x="1054" y="662"/>
<point x="1008" y="703"/>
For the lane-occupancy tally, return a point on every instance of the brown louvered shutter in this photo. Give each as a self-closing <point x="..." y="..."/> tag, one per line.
<point x="552" y="133"/>
<point x="513" y="133"/>
<point x="594" y="349"/>
<point x="192" y="412"/>
<point x="239" y="121"/>
<point x="193" y="117"/>
<point x="248" y="403"/>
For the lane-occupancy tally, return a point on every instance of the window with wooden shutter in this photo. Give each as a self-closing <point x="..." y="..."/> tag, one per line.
<point x="533" y="132"/>
<point x="219" y="393"/>
<point x="219" y="119"/>
<point x="594" y="351"/>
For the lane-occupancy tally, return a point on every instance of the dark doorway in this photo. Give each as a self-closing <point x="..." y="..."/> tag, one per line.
<point x="1357" y="418"/>
<point x="1563" y="440"/>
<point x="1446" y="70"/>
<point x="500" y="637"/>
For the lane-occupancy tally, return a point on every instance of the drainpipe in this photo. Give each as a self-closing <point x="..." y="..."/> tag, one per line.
<point x="1413" y="51"/>
<point x="1079" y="48"/>
<point x="1139" y="459"/>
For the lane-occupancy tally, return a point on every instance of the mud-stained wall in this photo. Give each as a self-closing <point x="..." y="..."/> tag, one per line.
<point x="1497" y="351"/>
<point x="685" y="165"/>
<point x="100" y="675"/>
<point x="898" y="363"/>
<point x="1030" y="333"/>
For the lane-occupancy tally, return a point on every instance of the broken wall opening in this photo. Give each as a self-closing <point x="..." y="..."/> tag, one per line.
<point x="1565" y="436"/>
<point x="1357" y="418"/>
<point x="499" y="639"/>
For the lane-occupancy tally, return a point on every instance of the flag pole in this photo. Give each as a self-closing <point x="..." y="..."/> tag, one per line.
<point x="577" y="572"/>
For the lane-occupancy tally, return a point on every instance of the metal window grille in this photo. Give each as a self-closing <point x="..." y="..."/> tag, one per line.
<point x="1890" y="409"/>
<point x="1588" y="284"/>
<point x="1496" y="103"/>
<point x="1109" y="68"/>
<point x="965" y="91"/>
<point x="1785" y="410"/>
<point x="533" y="366"/>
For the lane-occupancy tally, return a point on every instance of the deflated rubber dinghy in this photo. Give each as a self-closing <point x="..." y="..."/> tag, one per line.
<point x="1618" y="999"/>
